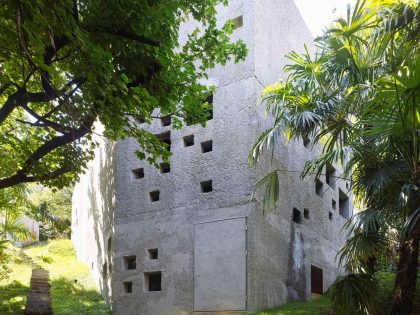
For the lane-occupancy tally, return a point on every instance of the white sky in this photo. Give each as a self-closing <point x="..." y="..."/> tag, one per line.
<point x="320" y="13"/>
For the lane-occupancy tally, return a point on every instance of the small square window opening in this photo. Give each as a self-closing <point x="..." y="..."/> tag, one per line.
<point x="206" y="186"/>
<point x="306" y="141"/>
<point x="306" y="214"/>
<point x="166" y="121"/>
<point x="207" y="146"/>
<point x="189" y="141"/>
<point x="330" y="177"/>
<point x="153" y="281"/>
<point x="165" y="168"/>
<point x="152" y="253"/>
<point x="129" y="262"/>
<point x="128" y="287"/>
<point x="343" y="204"/>
<point x="319" y="187"/>
<point x="237" y="22"/>
<point x="140" y="119"/>
<point x="154" y="195"/>
<point x="138" y="173"/>
<point x="297" y="216"/>
<point x="165" y="138"/>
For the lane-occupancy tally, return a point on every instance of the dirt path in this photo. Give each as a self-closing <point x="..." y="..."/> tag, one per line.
<point x="39" y="300"/>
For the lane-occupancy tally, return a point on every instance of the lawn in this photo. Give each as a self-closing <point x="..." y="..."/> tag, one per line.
<point x="322" y="306"/>
<point x="319" y="306"/>
<point x="72" y="288"/>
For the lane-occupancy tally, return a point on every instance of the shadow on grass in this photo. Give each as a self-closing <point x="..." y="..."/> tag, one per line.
<point x="69" y="297"/>
<point x="13" y="298"/>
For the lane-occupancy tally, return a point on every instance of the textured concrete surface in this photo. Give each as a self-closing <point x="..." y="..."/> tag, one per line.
<point x="279" y="252"/>
<point x="93" y="206"/>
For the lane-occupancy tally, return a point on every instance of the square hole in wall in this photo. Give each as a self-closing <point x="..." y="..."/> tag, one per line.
<point x="139" y="119"/>
<point x="306" y="141"/>
<point x="129" y="262"/>
<point x="209" y="100"/>
<point x="330" y="215"/>
<point x="154" y="195"/>
<point x="206" y="186"/>
<point x="333" y="204"/>
<point x="237" y="22"/>
<point x="306" y="213"/>
<point x="330" y="177"/>
<point x="165" y="168"/>
<point x="153" y="281"/>
<point x="297" y="216"/>
<point x="207" y="146"/>
<point x="188" y="141"/>
<point x="138" y="173"/>
<point x="319" y="187"/>
<point x="152" y="253"/>
<point x="166" y="121"/>
<point x="165" y="137"/>
<point x="343" y="204"/>
<point x="128" y="287"/>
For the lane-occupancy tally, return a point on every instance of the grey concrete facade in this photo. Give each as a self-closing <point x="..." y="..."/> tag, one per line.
<point x="217" y="251"/>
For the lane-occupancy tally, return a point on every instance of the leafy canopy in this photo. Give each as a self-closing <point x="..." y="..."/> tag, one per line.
<point x="65" y="64"/>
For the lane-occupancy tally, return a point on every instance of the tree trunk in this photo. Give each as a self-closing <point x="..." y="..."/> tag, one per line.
<point x="405" y="282"/>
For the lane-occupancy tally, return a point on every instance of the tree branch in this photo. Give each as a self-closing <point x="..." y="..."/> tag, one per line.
<point x="42" y="97"/>
<point x="7" y="85"/>
<point x="128" y="35"/>
<point x="41" y="121"/>
<point x="24" y="178"/>
<point x="11" y="103"/>
<point x="22" y="175"/>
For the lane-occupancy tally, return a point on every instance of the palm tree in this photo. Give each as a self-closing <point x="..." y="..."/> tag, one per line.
<point x="358" y="98"/>
<point x="12" y="202"/>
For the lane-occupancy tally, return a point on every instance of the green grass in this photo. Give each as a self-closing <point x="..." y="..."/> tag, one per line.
<point x="318" y="306"/>
<point x="72" y="288"/>
<point x="322" y="306"/>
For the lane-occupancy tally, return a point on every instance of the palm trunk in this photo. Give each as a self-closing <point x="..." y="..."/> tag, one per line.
<point x="405" y="282"/>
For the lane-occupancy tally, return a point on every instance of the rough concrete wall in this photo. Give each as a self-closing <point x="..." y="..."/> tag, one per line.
<point x="271" y="28"/>
<point x="286" y="250"/>
<point x="169" y="224"/>
<point x="93" y="214"/>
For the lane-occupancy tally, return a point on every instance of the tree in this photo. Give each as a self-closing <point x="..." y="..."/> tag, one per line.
<point x="359" y="97"/>
<point x="65" y="64"/>
<point x="13" y="201"/>
<point x="52" y="209"/>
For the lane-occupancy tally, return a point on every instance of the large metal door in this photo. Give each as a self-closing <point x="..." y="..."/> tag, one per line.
<point x="220" y="265"/>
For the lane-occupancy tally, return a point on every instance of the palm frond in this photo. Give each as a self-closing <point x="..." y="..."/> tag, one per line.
<point x="356" y="294"/>
<point x="270" y="185"/>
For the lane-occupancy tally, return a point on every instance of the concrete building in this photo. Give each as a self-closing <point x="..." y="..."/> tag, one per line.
<point x="32" y="226"/>
<point x="188" y="237"/>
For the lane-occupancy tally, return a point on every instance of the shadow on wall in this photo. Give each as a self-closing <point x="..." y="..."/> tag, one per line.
<point x="69" y="297"/>
<point x="101" y="194"/>
<point x="13" y="298"/>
